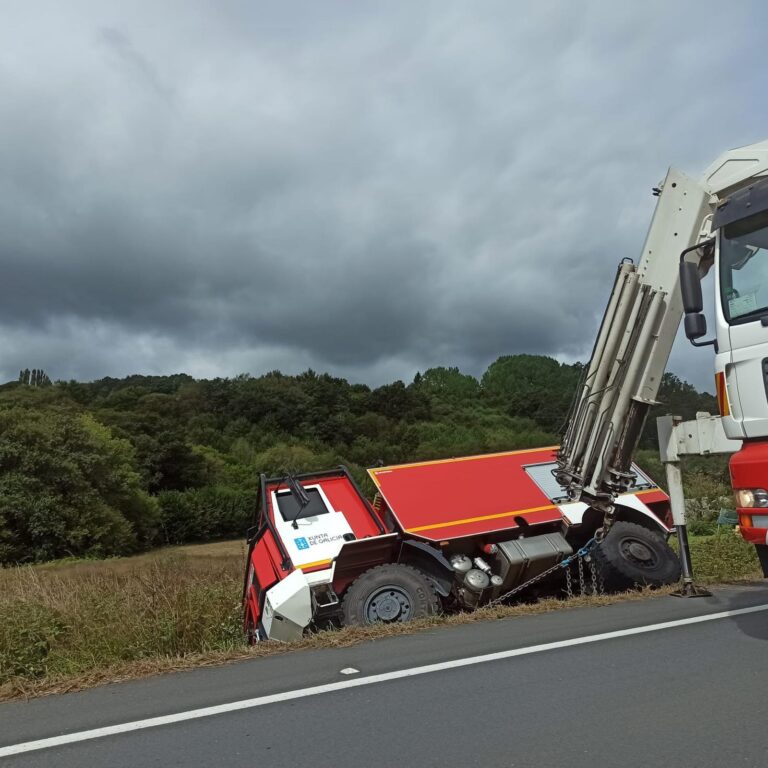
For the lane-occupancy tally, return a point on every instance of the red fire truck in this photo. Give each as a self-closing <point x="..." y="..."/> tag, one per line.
<point x="438" y="535"/>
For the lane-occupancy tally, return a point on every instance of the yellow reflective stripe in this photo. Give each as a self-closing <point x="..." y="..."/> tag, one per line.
<point x="373" y="472"/>
<point x="316" y="563"/>
<point x="480" y="519"/>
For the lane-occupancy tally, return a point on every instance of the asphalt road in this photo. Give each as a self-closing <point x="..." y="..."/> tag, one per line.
<point x="685" y="695"/>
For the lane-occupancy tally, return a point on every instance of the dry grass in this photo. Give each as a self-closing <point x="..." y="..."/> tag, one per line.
<point x="69" y="620"/>
<point x="22" y="686"/>
<point x="71" y="625"/>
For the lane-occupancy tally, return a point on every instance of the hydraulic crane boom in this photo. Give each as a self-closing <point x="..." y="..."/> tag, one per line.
<point x="639" y="326"/>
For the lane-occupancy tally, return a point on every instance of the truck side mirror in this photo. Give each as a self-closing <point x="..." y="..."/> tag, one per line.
<point x="695" y="326"/>
<point x="693" y="303"/>
<point x="690" y="289"/>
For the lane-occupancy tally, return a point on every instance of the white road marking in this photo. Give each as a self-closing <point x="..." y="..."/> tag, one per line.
<point x="194" y="714"/>
<point x="350" y="671"/>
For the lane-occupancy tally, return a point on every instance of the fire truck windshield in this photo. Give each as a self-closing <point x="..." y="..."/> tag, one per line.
<point x="292" y="511"/>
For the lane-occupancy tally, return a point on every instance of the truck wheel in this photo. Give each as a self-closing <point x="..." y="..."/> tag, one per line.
<point x="762" y="555"/>
<point x="390" y="593"/>
<point x="631" y="554"/>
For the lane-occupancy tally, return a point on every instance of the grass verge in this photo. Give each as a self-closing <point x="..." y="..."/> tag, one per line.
<point x="724" y="557"/>
<point x="71" y="625"/>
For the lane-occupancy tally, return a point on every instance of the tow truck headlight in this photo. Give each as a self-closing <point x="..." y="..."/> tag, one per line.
<point x="747" y="498"/>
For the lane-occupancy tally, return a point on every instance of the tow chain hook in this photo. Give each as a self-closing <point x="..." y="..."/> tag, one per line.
<point x="605" y="528"/>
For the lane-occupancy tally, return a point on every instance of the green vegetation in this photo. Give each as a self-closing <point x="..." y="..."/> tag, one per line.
<point x="724" y="556"/>
<point x="117" y="466"/>
<point x="68" y="486"/>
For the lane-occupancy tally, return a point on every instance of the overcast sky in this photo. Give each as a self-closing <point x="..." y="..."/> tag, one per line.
<point x="365" y="188"/>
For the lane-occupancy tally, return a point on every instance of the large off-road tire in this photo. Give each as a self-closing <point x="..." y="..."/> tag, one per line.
<point x="634" y="555"/>
<point x="762" y="554"/>
<point x="389" y="593"/>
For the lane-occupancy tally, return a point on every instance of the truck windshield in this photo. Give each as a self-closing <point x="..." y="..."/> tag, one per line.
<point x="744" y="269"/>
<point x="290" y="510"/>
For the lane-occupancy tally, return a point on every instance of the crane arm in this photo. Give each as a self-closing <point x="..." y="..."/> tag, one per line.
<point x="621" y="381"/>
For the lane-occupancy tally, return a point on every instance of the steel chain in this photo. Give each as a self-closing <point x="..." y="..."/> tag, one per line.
<point x="600" y="534"/>
<point x="605" y="528"/>
<point x="567" y="563"/>
<point x="521" y="587"/>
<point x="593" y="573"/>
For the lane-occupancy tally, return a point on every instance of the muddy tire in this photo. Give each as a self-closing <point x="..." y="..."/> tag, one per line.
<point x="633" y="555"/>
<point x="389" y="593"/>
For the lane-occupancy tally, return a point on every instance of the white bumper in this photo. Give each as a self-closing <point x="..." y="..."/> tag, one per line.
<point x="287" y="608"/>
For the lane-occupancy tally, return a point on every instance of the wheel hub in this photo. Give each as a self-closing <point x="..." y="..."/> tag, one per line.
<point x="389" y="603"/>
<point x="638" y="552"/>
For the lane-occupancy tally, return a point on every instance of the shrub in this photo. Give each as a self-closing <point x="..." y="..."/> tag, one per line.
<point x="702" y="527"/>
<point x="68" y="487"/>
<point x="724" y="556"/>
<point x="205" y="513"/>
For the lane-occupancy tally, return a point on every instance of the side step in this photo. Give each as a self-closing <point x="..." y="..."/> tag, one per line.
<point x="324" y="597"/>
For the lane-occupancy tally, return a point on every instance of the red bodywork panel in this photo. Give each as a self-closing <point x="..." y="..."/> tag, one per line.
<point x="658" y="502"/>
<point x="454" y="498"/>
<point x="749" y="469"/>
<point x="264" y="571"/>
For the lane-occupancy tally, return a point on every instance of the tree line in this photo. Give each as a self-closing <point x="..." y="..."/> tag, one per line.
<point x="115" y="466"/>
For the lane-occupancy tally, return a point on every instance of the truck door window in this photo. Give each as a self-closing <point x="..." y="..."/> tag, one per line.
<point x="744" y="269"/>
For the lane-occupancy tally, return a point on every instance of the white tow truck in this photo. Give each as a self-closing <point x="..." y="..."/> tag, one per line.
<point x="465" y="531"/>
<point x="717" y="222"/>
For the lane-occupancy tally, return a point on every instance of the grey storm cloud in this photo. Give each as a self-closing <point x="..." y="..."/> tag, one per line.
<point x="365" y="188"/>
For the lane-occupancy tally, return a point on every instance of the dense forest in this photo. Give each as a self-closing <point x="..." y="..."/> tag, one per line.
<point x="115" y="466"/>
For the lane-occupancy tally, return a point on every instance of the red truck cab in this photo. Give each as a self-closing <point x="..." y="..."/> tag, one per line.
<point x="749" y="479"/>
